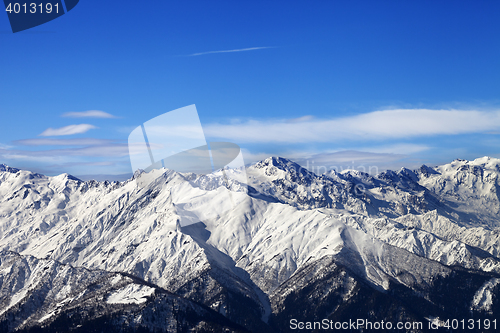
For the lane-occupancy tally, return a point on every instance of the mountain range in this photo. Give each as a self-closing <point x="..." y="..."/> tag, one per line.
<point x="420" y="246"/>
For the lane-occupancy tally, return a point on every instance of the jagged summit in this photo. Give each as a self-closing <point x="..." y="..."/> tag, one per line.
<point x="280" y="163"/>
<point x="485" y="161"/>
<point x="426" y="171"/>
<point x="258" y="262"/>
<point x="67" y="176"/>
<point x="137" y="173"/>
<point x="31" y="174"/>
<point x="274" y="163"/>
<point x="6" y="168"/>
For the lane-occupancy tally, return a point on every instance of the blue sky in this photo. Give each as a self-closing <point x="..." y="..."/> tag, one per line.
<point x="339" y="83"/>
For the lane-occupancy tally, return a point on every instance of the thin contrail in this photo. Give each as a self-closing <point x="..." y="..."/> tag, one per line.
<point x="229" y="51"/>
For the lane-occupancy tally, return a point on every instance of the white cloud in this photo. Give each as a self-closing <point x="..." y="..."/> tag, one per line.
<point x="230" y="51"/>
<point x="72" y="164"/>
<point x="350" y="157"/>
<point x="20" y="156"/>
<point x="301" y="119"/>
<point x="68" y="130"/>
<point x="400" y="148"/>
<point x="88" y="114"/>
<point x="250" y="157"/>
<point x="62" y="142"/>
<point x="118" y="150"/>
<point x="93" y="151"/>
<point x="387" y="124"/>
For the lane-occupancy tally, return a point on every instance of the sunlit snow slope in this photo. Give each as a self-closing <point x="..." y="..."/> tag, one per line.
<point x="292" y="243"/>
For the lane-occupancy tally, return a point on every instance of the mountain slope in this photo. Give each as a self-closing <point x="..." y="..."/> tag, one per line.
<point x="413" y="235"/>
<point x="44" y="295"/>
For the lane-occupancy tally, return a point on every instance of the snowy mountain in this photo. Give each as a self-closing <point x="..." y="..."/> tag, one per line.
<point x="406" y="245"/>
<point x="42" y="293"/>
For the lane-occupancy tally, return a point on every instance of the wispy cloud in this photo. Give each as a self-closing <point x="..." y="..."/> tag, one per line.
<point x="88" y="114"/>
<point x="62" y="142"/>
<point x="112" y="150"/>
<point x="101" y="156"/>
<point x="231" y="51"/>
<point x="27" y="156"/>
<point x="72" y="164"/>
<point x="378" y="125"/>
<point x="399" y="148"/>
<point x="68" y="130"/>
<point x="73" y="155"/>
<point x="300" y="119"/>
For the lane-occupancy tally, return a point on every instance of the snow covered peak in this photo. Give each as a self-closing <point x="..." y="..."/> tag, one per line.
<point x="407" y="173"/>
<point x="66" y="176"/>
<point x="137" y="173"/>
<point x="482" y="169"/>
<point x="281" y="168"/>
<point x="397" y="228"/>
<point x="487" y="162"/>
<point x="279" y="162"/>
<point x="426" y="171"/>
<point x="6" y="168"/>
<point x="484" y="162"/>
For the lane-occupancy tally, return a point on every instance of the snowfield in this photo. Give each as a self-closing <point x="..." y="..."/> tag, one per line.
<point x="247" y="251"/>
